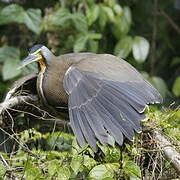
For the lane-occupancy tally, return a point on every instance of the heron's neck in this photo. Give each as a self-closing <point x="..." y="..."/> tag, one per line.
<point x="48" y="55"/>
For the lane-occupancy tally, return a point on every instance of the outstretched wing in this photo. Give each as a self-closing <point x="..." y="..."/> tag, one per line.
<point x="99" y="107"/>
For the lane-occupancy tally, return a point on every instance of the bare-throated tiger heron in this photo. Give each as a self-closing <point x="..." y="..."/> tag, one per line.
<point x="105" y="94"/>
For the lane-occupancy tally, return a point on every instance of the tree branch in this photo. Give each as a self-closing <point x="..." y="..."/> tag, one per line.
<point x="170" y="21"/>
<point x="153" y="41"/>
<point x="169" y="151"/>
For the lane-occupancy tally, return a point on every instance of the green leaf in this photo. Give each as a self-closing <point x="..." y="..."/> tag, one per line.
<point x="64" y="173"/>
<point x="80" y="43"/>
<point x="2" y="170"/>
<point x="32" y="18"/>
<point x="89" y="162"/>
<point x="109" y="12"/>
<point x="9" y="53"/>
<point x="127" y="14"/>
<point x="76" y="163"/>
<point x="160" y="85"/>
<point x="118" y="9"/>
<point x="112" y="154"/>
<point x="94" y="35"/>
<point x="12" y="13"/>
<point x="103" y="171"/>
<point x="59" y="17"/>
<point x="175" y="61"/>
<point x="32" y="172"/>
<point x="10" y="57"/>
<point x="93" y="45"/>
<point x="132" y="170"/>
<point x="9" y="69"/>
<point x="123" y="47"/>
<point x="176" y="87"/>
<point x="110" y="3"/>
<point x="92" y="14"/>
<point x="120" y="27"/>
<point x="140" y="48"/>
<point x="53" y="167"/>
<point x="102" y="18"/>
<point x="80" y="22"/>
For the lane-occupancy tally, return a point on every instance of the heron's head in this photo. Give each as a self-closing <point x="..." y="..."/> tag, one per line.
<point x="38" y="53"/>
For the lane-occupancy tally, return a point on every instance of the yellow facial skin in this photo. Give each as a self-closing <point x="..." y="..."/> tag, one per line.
<point x="34" y="57"/>
<point x="39" y="59"/>
<point x="41" y="63"/>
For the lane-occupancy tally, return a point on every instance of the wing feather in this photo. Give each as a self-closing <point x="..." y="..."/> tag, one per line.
<point x="99" y="107"/>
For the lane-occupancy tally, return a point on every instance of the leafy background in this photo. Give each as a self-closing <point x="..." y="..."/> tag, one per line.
<point x="145" y="33"/>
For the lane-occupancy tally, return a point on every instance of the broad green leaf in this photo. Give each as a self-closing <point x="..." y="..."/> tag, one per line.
<point x="80" y="22"/>
<point x="12" y="13"/>
<point x="32" y="172"/>
<point x="93" y="45"/>
<point x="112" y="154"/>
<point x="120" y="27"/>
<point x="92" y="14"/>
<point x="123" y="47"/>
<point x="160" y="85"/>
<point x="76" y="163"/>
<point x="109" y="12"/>
<point x="94" y="36"/>
<point x="32" y="19"/>
<point x="127" y="14"/>
<point x="53" y="167"/>
<point x="9" y="53"/>
<point x="175" y="61"/>
<point x="89" y="162"/>
<point x="2" y="170"/>
<point x="110" y="3"/>
<point x="102" y="17"/>
<point x="132" y="170"/>
<point x="60" y="17"/>
<point x="9" y="69"/>
<point x="140" y="48"/>
<point x="64" y="173"/>
<point x="103" y="171"/>
<point x="176" y="87"/>
<point x="80" y="43"/>
<point x="118" y="9"/>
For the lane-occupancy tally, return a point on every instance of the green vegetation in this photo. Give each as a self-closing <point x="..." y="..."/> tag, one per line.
<point x="145" y="33"/>
<point x="126" y="30"/>
<point x="56" y="155"/>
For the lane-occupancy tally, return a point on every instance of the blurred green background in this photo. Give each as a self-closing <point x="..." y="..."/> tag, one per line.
<point x="145" y="33"/>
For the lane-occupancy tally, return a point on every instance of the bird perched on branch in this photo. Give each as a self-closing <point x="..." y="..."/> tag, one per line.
<point x="105" y="95"/>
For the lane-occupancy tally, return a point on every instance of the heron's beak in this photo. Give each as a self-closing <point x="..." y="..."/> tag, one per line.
<point x="29" y="59"/>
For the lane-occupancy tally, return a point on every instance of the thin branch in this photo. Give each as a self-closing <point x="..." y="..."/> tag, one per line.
<point x="153" y="41"/>
<point x="169" y="151"/>
<point x="170" y="21"/>
<point x="31" y="100"/>
<point x="18" y="100"/>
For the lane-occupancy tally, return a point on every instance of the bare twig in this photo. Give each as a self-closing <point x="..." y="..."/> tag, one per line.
<point x="153" y="41"/>
<point x="170" y="21"/>
<point x="4" y="161"/>
<point x="170" y="153"/>
<point x="17" y="84"/>
<point x="18" y="100"/>
<point x="30" y="100"/>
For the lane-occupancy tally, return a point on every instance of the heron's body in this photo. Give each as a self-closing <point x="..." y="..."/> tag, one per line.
<point x="105" y="95"/>
<point x="51" y="78"/>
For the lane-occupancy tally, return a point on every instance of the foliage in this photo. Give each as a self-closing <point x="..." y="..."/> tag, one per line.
<point x="96" y="26"/>
<point x="38" y="157"/>
<point x="64" y="163"/>
<point x="168" y="122"/>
